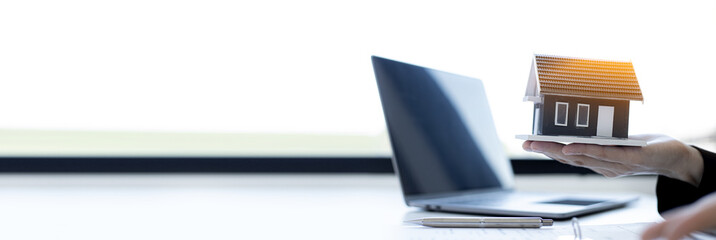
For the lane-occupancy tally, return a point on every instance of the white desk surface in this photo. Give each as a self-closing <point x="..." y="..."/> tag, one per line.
<point x="241" y="206"/>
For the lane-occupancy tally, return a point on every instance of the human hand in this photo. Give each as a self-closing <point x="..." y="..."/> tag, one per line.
<point x="662" y="155"/>
<point x="679" y="223"/>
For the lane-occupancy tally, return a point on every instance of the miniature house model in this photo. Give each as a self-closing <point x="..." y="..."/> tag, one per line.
<point x="581" y="97"/>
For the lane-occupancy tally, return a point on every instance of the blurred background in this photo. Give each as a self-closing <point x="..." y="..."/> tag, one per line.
<point x="294" y="78"/>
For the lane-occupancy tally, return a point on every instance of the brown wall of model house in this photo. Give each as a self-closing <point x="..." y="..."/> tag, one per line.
<point x="548" y="107"/>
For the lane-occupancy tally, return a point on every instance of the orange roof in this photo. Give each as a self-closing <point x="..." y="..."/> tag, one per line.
<point x="584" y="77"/>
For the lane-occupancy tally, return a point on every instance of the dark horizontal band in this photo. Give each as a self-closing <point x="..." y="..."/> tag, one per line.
<point x="237" y="165"/>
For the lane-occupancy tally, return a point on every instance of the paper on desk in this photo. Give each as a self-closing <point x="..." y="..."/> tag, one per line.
<point x="594" y="232"/>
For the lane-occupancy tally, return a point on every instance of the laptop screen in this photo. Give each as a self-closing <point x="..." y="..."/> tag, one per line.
<point x="441" y="131"/>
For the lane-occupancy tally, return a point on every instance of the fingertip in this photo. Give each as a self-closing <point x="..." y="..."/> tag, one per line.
<point x="539" y="146"/>
<point x="526" y="146"/>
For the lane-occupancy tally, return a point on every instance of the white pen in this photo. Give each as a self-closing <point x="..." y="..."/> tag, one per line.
<point x="483" y="222"/>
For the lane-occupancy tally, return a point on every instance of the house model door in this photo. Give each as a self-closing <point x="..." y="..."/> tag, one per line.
<point x="605" y="121"/>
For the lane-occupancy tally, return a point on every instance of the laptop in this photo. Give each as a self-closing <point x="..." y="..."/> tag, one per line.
<point x="446" y="152"/>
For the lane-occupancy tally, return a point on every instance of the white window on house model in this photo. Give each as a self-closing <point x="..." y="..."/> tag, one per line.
<point x="560" y="114"/>
<point x="582" y="115"/>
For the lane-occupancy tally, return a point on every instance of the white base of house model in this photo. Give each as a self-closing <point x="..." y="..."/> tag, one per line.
<point x="588" y="140"/>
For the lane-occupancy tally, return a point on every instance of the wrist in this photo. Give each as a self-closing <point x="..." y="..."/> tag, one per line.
<point x="692" y="168"/>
